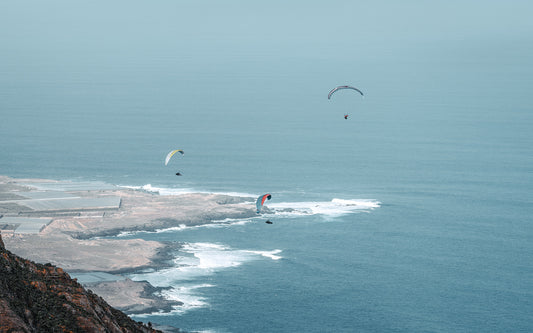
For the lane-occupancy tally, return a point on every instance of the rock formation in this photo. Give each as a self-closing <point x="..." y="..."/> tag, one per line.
<point x="43" y="298"/>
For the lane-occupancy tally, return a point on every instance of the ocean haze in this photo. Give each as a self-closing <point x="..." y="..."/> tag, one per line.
<point x="442" y="140"/>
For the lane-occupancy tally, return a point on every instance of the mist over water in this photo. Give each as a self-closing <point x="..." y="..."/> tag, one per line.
<point x="412" y="215"/>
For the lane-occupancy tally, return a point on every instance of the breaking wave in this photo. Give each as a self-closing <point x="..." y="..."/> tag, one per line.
<point x="333" y="208"/>
<point x="198" y="260"/>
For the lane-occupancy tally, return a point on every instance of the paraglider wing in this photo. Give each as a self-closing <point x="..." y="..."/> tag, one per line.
<point x="343" y="87"/>
<point x="261" y="200"/>
<point x="169" y="155"/>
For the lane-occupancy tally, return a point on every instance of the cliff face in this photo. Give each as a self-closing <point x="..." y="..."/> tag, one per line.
<point x="43" y="298"/>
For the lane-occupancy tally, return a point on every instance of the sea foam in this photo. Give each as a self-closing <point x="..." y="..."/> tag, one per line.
<point x="184" y="190"/>
<point x="198" y="261"/>
<point x="333" y="208"/>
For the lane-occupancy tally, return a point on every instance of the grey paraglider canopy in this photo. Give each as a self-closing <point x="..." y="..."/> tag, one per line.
<point x="343" y="87"/>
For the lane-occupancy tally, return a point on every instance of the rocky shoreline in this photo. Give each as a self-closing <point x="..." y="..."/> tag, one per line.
<point x="76" y="215"/>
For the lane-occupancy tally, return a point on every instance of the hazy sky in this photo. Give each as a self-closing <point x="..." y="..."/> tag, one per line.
<point x="56" y="25"/>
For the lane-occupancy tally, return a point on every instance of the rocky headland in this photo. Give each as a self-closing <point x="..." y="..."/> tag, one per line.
<point x="71" y="225"/>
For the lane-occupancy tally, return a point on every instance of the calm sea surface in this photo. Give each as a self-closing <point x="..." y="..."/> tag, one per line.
<point x="413" y="215"/>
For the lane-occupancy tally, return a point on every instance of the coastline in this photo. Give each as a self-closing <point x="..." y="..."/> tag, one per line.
<point x="61" y="223"/>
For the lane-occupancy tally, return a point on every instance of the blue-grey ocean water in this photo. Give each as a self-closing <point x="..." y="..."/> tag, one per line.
<point x="412" y="215"/>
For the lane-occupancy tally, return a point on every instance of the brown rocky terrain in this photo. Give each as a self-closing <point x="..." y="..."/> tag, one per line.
<point x="43" y="298"/>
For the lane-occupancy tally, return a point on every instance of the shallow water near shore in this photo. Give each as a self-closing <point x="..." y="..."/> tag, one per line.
<point x="412" y="215"/>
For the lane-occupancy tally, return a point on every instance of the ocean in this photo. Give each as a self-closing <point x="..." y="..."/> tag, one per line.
<point x="412" y="215"/>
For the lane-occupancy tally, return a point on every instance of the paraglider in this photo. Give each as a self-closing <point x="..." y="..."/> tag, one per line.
<point x="261" y="200"/>
<point x="169" y="155"/>
<point x="334" y="90"/>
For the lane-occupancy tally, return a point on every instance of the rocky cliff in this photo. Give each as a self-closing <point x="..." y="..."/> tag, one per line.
<point x="43" y="298"/>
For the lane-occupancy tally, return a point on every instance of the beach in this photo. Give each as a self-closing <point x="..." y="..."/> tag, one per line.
<point x="71" y="225"/>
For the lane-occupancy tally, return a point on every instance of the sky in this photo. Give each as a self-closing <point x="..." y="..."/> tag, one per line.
<point x="95" y="27"/>
<point x="158" y="43"/>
